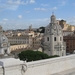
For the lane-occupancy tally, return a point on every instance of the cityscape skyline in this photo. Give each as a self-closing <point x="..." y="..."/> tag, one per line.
<point x="19" y="14"/>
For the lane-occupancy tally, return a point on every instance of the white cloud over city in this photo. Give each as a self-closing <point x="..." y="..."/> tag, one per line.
<point x="19" y="16"/>
<point x="71" y="20"/>
<point x="42" y="9"/>
<point x="22" y="13"/>
<point x="5" y="19"/>
<point x="14" y="4"/>
<point x="62" y="2"/>
<point x="15" y="24"/>
<point x="32" y="1"/>
<point x="54" y="8"/>
<point x="44" y="5"/>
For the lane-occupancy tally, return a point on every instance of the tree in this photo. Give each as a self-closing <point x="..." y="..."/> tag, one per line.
<point x="30" y="55"/>
<point x="42" y="29"/>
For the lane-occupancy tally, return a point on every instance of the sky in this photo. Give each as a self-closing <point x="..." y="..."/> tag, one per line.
<point x="20" y="14"/>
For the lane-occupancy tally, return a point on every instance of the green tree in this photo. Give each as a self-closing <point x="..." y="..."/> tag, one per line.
<point x="42" y="29"/>
<point x="30" y="55"/>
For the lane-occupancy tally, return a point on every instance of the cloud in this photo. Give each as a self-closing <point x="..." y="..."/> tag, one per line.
<point x="19" y="16"/>
<point x="16" y="2"/>
<point x="4" y="22"/>
<point x="59" y="18"/>
<point x="32" y="1"/>
<point x="41" y="20"/>
<point x="27" y="11"/>
<point x="22" y="24"/>
<point x="11" y="4"/>
<point x="5" y="19"/>
<point x="71" y="20"/>
<point x="40" y="9"/>
<point x="12" y="7"/>
<point x="44" y="5"/>
<point x="54" y="8"/>
<point x="62" y="2"/>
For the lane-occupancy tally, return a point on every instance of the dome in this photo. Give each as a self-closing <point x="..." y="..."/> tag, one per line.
<point x="53" y="27"/>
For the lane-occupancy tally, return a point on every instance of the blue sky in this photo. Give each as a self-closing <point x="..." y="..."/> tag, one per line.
<point x="20" y="14"/>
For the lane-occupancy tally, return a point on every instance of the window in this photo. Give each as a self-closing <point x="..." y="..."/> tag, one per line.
<point x="54" y="38"/>
<point x="5" y="51"/>
<point x="47" y="38"/>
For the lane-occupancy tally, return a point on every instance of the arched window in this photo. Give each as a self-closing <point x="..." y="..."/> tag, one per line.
<point x="5" y="51"/>
<point x="54" y="38"/>
<point x="47" y="38"/>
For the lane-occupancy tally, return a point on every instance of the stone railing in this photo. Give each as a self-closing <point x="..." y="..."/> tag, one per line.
<point x="51" y="66"/>
<point x="11" y="66"/>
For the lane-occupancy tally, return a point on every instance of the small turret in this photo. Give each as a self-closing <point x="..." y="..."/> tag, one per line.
<point x="53" y="18"/>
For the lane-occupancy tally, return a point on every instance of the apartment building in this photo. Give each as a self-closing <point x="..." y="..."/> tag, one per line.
<point x="70" y="43"/>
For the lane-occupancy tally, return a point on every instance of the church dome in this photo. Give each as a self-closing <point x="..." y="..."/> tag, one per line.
<point x="53" y="27"/>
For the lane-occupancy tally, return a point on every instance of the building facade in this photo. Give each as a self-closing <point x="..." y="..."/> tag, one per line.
<point x="67" y="32"/>
<point x="65" y="26"/>
<point x="36" y="42"/>
<point x="22" y="39"/>
<point x="25" y="40"/>
<point x="53" y="39"/>
<point x="70" y="43"/>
